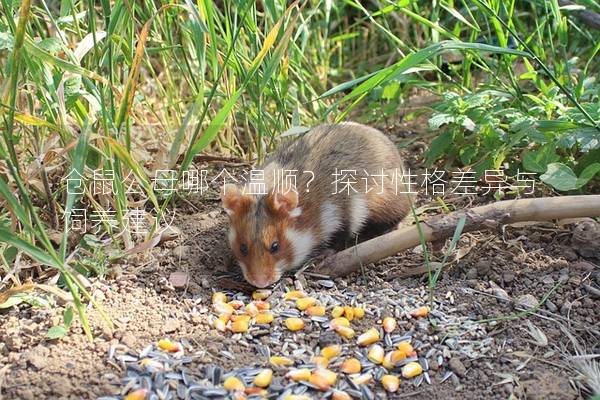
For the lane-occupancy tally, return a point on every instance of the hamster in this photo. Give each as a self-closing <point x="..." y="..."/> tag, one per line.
<point x="281" y="227"/>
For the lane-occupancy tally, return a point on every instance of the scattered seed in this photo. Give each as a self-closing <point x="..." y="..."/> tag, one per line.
<point x="264" y="377"/>
<point x="369" y="337"/>
<point x="411" y="370"/>
<point x="391" y="383"/>
<point x="294" y="324"/>
<point x="351" y="366"/>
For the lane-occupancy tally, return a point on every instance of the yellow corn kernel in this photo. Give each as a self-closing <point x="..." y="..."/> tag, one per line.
<point x="240" y="317"/>
<point x="392" y="358"/>
<point x="369" y="337"/>
<point x="252" y="310"/>
<point x="376" y="354"/>
<point x="297" y="397"/>
<point x="332" y="351"/>
<point x="320" y="361"/>
<point x="294" y="324"/>
<point x="363" y="379"/>
<point x="340" y="395"/>
<point x="261" y="294"/>
<point x="234" y="384"/>
<point x="351" y="366"/>
<point x="315" y="311"/>
<point x="391" y="383"/>
<point x="359" y="312"/>
<point x="264" y="377"/>
<point x="294" y="295"/>
<point x="340" y="321"/>
<point x="225" y="317"/>
<point x="345" y="332"/>
<point x="329" y="375"/>
<point x="281" y="361"/>
<point x="319" y="381"/>
<point x="219" y="325"/>
<point x="152" y="364"/>
<point x="420" y="312"/>
<point x="389" y="324"/>
<point x="263" y="318"/>
<point x="262" y="305"/>
<point x="222" y="308"/>
<point x="412" y="369"/>
<point x="349" y="313"/>
<point x="406" y="348"/>
<point x="239" y="396"/>
<point x="256" y="391"/>
<point x="219" y="297"/>
<point x="337" y="311"/>
<point x="236" y="304"/>
<point x="240" y="326"/>
<point x="305" y="302"/>
<point x="139" y="394"/>
<point x="297" y="375"/>
<point x="167" y="345"/>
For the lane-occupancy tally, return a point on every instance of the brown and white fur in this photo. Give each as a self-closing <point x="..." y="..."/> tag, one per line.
<point x="277" y="232"/>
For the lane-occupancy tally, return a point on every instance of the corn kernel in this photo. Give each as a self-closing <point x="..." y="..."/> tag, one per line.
<point x="349" y="313"/>
<point x="263" y="318"/>
<point x="222" y="308"/>
<point x="167" y="345"/>
<point x="297" y="397"/>
<point x="152" y="365"/>
<point x="240" y="317"/>
<point x="281" y="361"/>
<point x="139" y="394"/>
<point x="329" y="375"/>
<point x="264" y="377"/>
<point x="236" y="304"/>
<point x="256" y="391"/>
<point x="392" y="358"/>
<point x="297" y="375"/>
<point x="225" y="317"/>
<point x="219" y="297"/>
<point x="219" y="325"/>
<point x="420" y="312"/>
<point x="345" y="332"/>
<point x="239" y="396"/>
<point x="340" y="321"/>
<point x="363" y="379"/>
<point x="391" y="383"/>
<point x="294" y="324"/>
<point x="239" y="326"/>
<point x="369" y="337"/>
<point x="389" y="324"/>
<point x="359" y="312"/>
<point x="315" y="311"/>
<point x="412" y="369"/>
<point x="337" y="311"/>
<point x="351" y="366"/>
<point x="261" y="294"/>
<point x="332" y="351"/>
<point x="252" y="310"/>
<point x="234" y="384"/>
<point x="305" y="302"/>
<point x="340" y="395"/>
<point x="294" y="295"/>
<point x="406" y="348"/>
<point x="376" y="354"/>
<point x="262" y="305"/>
<point x="320" y="361"/>
<point x="319" y="381"/>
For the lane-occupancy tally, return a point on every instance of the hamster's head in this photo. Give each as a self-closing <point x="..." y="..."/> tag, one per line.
<point x="259" y="232"/>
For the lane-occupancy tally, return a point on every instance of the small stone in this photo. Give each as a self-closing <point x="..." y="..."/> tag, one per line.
<point x="551" y="306"/>
<point x="548" y="280"/>
<point x="457" y="367"/>
<point x="171" y="325"/>
<point x="205" y="283"/>
<point x="472" y="273"/>
<point x="178" y="279"/>
<point x="508" y="277"/>
<point x="170" y="233"/>
<point x="527" y="301"/>
<point x="483" y="267"/>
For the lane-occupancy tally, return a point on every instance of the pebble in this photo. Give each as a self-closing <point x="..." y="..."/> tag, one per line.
<point x="472" y="273"/>
<point x="483" y="267"/>
<point x="457" y="367"/>
<point x="508" y="277"/>
<point x="551" y="306"/>
<point x="528" y="301"/>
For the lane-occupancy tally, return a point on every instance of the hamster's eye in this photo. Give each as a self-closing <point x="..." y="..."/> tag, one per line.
<point x="274" y="247"/>
<point x="244" y="249"/>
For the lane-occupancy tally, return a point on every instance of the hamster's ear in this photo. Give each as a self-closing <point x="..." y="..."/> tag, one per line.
<point x="284" y="203"/>
<point x="234" y="200"/>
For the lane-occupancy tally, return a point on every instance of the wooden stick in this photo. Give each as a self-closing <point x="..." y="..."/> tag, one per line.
<point x="479" y="218"/>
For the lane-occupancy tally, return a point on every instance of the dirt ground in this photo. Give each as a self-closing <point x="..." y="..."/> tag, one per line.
<point x="494" y="276"/>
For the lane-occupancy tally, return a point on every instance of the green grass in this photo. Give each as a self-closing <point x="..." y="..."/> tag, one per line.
<point x="86" y="85"/>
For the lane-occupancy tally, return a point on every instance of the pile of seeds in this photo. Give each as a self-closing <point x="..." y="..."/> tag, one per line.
<point x="308" y="347"/>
